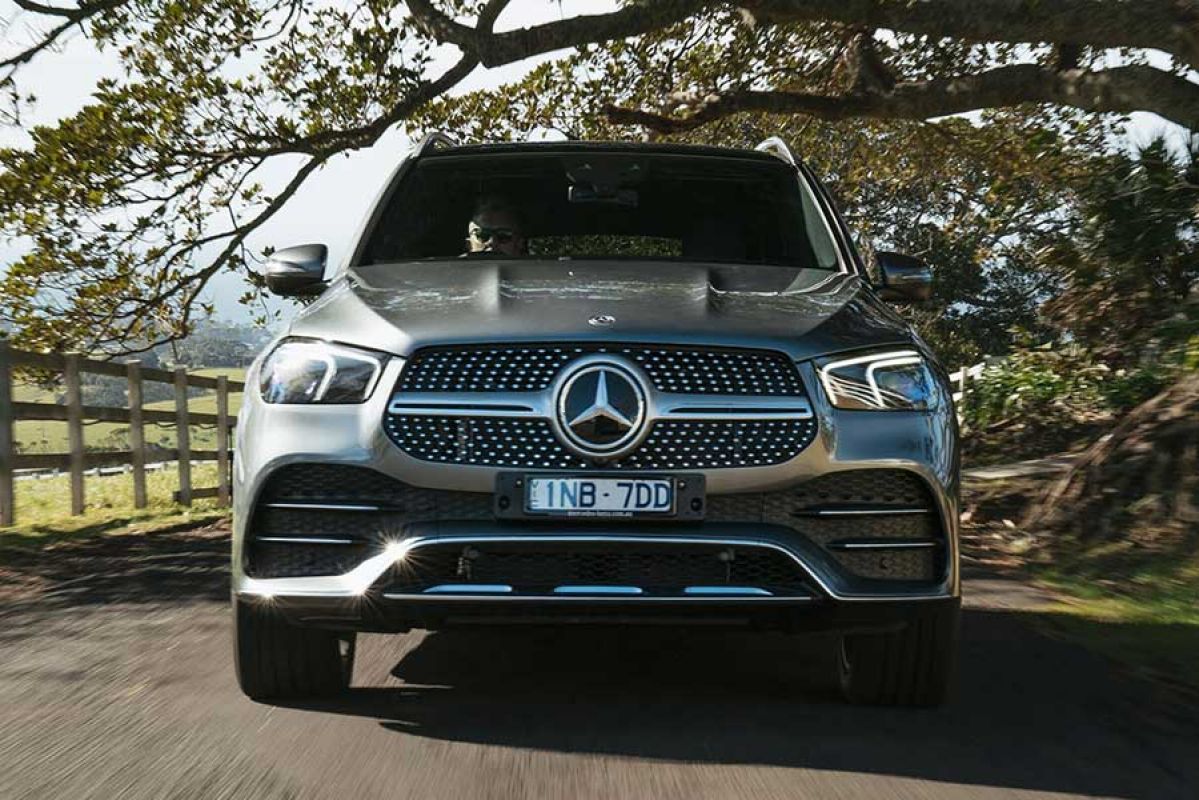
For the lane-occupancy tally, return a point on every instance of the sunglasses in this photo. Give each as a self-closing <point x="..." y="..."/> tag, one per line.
<point x="498" y="235"/>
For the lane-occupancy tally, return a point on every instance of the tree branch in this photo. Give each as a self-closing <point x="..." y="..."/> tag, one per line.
<point x="490" y="13"/>
<point x="70" y="17"/>
<point x="496" y="49"/>
<point x="1119" y="89"/>
<point x="1168" y="25"/>
<point x="111" y="322"/>
<point x="195" y="282"/>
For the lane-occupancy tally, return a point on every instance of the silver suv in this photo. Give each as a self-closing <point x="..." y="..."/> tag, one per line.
<point x="603" y="383"/>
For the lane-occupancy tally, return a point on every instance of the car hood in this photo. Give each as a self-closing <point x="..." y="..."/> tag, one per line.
<point x="401" y="307"/>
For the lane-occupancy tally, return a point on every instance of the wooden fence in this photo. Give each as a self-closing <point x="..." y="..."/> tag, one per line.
<point x="963" y="377"/>
<point x="75" y="413"/>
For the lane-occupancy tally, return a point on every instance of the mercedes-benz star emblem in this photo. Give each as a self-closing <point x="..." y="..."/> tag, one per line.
<point x="602" y="320"/>
<point x="601" y="409"/>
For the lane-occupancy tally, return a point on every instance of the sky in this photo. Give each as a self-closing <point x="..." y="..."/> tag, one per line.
<point x="330" y="206"/>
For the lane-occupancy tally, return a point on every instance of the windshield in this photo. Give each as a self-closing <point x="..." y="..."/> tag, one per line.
<point x="603" y="206"/>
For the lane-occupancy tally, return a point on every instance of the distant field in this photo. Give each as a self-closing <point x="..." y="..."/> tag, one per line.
<point x="35" y="436"/>
<point x="24" y="393"/>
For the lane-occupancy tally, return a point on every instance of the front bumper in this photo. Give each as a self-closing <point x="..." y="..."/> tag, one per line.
<point x="362" y="601"/>
<point x="274" y="437"/>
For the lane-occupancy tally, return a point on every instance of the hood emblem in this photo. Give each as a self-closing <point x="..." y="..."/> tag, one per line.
<point x="602" y="320"/>
<point x="601" y="409"/>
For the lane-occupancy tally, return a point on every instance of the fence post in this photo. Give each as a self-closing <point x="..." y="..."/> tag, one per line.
<point x="962" y="382"/>
<point x="183" y="437"/>
<point x="222" y="440"/>
<point x="137" y="432"/>
<point x="74" y="429"/>
<point x="7" y="442"/>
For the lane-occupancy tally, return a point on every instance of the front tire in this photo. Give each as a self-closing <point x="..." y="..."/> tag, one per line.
<point x="275" y="660"/>
<point x="913" y="666"/>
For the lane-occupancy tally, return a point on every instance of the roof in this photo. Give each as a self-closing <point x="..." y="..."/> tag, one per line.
<point x="647" y="148"/>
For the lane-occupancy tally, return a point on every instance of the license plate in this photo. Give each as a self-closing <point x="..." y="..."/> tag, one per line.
<point x="586" y="497"/>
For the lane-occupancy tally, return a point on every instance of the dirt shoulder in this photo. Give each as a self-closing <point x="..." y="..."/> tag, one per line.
<point x="145" y="562"/>
<point x="1132" y="600"/>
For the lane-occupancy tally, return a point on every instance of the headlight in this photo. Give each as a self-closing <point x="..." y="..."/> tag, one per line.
<point x="302" y="371"/>
<point x="898" y="380"/>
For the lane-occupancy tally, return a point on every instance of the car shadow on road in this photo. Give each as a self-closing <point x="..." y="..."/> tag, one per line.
<point x="181" y="563"/>
<point x="1029" y="712"/>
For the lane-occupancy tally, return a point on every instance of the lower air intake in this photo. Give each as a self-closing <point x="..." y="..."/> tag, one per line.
<point x="540" y="567"/>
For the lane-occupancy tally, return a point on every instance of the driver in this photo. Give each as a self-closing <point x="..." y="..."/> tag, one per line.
<point x="495" y="228"/>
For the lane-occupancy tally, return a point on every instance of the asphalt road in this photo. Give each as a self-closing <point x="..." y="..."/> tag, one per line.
<point x="122" y="686"/>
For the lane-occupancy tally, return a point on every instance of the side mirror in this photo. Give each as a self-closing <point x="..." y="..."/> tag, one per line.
<point x="297" y="271"/>
<point x="905" y="279"/>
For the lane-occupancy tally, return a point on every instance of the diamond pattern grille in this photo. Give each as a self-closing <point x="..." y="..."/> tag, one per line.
<point x="531" y="444"/>
<point x="531" y="368"/>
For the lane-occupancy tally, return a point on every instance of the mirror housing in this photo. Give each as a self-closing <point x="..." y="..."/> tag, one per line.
<point x="905" y="279"/>
<point x="297" y="271"/>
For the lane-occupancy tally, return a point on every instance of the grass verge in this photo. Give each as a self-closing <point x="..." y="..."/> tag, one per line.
<point x="43" y="508"/>
<point x="1139" y="609"/>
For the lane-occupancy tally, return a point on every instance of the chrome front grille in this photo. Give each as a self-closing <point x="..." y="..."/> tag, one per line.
<point x="720" y="445"/>
<point x="531" y="443"/>
<point x="502" y="406"/>
<point x="481" y="441"/>
<point x="532" y="368"/>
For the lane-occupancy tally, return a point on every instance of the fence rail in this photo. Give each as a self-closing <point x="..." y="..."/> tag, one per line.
<point x="75" y="414"/>
<point x="962" y="378"/>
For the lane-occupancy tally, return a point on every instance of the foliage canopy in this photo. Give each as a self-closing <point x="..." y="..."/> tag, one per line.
<point x="134" y="203"/>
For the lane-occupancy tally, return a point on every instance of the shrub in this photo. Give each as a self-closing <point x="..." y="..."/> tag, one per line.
<point x="1040" y="385"/>
<point x="1127" y="389"/>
